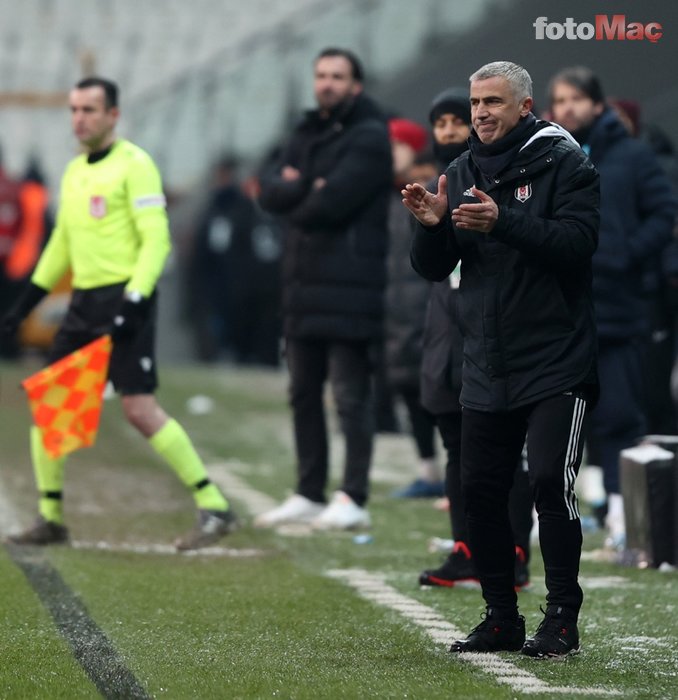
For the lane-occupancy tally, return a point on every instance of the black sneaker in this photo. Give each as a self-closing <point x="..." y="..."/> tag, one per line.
<point x="41" y="533"/>
<point x="556" y="637"/>
<point x="521" y="572"/>
<point x="494" y="633"/>
<point x="457" y="568"/>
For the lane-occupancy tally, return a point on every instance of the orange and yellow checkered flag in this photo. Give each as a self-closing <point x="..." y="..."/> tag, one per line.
<point x="66" y="398"/>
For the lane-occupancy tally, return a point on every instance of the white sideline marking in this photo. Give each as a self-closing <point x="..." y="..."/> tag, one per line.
<point x="221" y="473"/>
<point x="594" y="582"/>
<point x="8" y="514"/>
<point x="166" y="549"/>
<point x="374" y="588"/>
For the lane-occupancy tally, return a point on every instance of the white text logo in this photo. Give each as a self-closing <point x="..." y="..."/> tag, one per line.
<point x="604" y="28"/>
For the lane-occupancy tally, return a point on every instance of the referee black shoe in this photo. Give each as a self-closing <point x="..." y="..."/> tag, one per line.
<point x="41" y="533"/>
<point x="556" y="637"/>
<point x="211" y="526"/>
<point x="497" y="632"/>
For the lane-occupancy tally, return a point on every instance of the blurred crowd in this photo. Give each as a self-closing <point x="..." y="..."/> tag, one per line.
<point x="25" y="222"/>
<point x="232" y="273"/>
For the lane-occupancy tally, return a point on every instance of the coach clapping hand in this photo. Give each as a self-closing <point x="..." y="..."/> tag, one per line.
<point x="427" y="207"/>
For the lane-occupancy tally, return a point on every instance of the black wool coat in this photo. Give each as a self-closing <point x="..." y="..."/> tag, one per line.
<point x="334" y="260"/>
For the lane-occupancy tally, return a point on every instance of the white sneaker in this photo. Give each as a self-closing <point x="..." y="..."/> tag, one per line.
<point x="296" y="509"/>
<point x="615" y="522"/>
<point x="343" y="513"/>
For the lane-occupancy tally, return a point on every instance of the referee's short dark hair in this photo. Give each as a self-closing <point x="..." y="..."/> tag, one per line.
<point x="356" y="66"/>
<point x="581" y="78"/>
<point x="108" y="86"/>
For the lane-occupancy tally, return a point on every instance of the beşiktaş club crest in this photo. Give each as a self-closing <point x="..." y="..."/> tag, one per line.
<point x="97" y="206"/>
<point x="524" y="192"/>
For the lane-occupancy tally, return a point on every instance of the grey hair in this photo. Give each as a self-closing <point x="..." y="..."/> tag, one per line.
<point x="517" y="77"/>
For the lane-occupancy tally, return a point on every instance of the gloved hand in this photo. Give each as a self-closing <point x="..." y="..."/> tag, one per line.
<point x="131" y="317"/>
<point x="31" y="296"/>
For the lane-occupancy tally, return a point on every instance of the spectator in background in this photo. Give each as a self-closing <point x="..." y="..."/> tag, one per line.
<point x="665" y="150"/>
<point x="661" y="283"/>
<point x="637" y="213"/>
<point x="450" y="119"/>
<point x="262" y="295"/>
<point x="406" y="298"/>
<point x="220" y="263"/>
<point x="424" y="168"/>
<point x="23" y="207"/>
<point x="37" y="222"/>
<point x="331" y="187"/>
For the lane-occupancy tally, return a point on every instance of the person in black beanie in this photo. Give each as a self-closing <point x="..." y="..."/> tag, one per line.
<point x="450" y="119"/>
<point x="520" y="211"/>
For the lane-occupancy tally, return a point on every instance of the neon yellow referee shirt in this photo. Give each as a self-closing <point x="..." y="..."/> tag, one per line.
<point x="111" y="225"/>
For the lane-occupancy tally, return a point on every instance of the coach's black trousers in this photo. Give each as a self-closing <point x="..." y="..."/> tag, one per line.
<point x="491" y="444"/>
<point x="520" y="498"/>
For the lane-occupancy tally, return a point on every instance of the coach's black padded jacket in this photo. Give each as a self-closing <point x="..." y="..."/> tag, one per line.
<point x="334" y="262"/>
<point x="525" y="302"/>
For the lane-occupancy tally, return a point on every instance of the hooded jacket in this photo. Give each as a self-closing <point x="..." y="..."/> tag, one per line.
<point x="637" y="214"/>
<point x="334" y="261"/>
<point x="525" y="302"/>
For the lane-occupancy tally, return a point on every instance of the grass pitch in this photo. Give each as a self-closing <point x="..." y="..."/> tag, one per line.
<point x="260" y="616"/>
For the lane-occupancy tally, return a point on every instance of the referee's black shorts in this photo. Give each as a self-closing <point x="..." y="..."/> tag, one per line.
<point x="90" y="315"/>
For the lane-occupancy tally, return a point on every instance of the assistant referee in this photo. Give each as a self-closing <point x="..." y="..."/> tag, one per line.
<point x="112" y="233"/>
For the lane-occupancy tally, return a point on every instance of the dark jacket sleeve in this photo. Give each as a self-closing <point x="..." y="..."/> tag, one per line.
<point x="362" y="172"/>
<point x="280" y="196"/>
<point x="656" y="206"/>
<point x="434" y="253"/>
<point x="571" y="235"/>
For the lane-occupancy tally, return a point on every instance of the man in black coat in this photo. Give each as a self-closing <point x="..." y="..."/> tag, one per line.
<point x="520" y="210"/>
<point x="637" y="213"/>
<point x="331" y="186"/>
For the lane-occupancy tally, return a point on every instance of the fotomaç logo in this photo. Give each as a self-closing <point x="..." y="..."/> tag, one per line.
<point x="603" y="29"/>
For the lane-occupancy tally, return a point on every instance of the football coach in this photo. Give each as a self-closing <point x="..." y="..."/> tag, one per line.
<point x="519" y="209"/>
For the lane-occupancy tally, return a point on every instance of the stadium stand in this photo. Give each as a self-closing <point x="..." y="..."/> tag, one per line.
<point x="197" y="77"/>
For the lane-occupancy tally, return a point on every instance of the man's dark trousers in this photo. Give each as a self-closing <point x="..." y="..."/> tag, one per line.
<point x="491" y="446"/>
<point x="520" y="498"/>
<point x="348" y="366"/>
